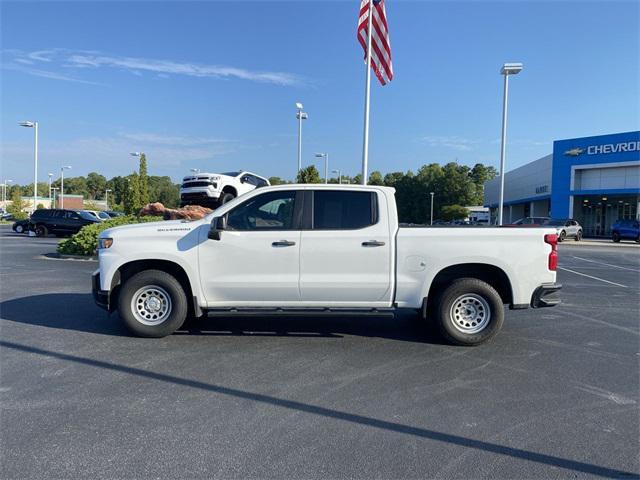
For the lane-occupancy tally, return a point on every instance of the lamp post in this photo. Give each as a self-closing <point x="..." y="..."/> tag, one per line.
<point x="431" y="217"/>
<point x="62" y="169"/>
<point x="106" y="198"/>
<point x="50" y="175"/>
<point x="300" y="115"/>
<point x="339" y="176"/>
<point x="326" y="165"/>
<point x="53" y="191"/>
<point x="4" y="192"/>
<point x="33" y="125"/>
<point x="506" y="70"/>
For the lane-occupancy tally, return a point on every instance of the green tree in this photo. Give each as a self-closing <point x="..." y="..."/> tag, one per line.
<point x="96" y="185"/>
<point x="117" y="186"/>
<point x="309" y="175"/>
<point x="144" y="180"/>
<point x="277" y="181"/>
<point x="454" y="212"/>
<point x="131" y="197"/>
<point x="40" y="206"/>
<point x="17" y="205"/>
<point x="376" y="178"/>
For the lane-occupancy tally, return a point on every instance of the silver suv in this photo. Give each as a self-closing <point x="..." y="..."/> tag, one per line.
<point x="566" y="228"/>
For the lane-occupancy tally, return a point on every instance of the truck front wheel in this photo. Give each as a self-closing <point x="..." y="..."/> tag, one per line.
<point x="469" y="312"/>
<point x="152" y="304"/>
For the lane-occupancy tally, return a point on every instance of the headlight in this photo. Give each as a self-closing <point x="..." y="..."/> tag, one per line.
<point x="104" y="243"/>
<point x="215" y="178"/>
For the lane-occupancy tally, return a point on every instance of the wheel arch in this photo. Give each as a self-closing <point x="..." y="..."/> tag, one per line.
<point x="230" y="189"/>
<point x="129" y="269"/>
<point x="491" y="274"/>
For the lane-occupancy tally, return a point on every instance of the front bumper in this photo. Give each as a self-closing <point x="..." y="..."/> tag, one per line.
<point x="188" y="194"/>
<point x="101" y="297"/>
<point x="546" y="295"/>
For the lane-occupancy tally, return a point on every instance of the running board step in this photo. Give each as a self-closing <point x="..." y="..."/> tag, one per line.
<point x="298" y="311"/>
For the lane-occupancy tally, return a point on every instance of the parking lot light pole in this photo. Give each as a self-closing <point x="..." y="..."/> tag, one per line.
<point x="506" y="70"/>
<point x="339" y="176"/>
<point x="61" y="196"/>
<point x="106" y="198"/>
<point x="53" y="191"/>
<point x="326" y="165"/>
<point x="33" y="125"/>
<point x="431" y="221"/>
<point x="50" y="175"/>
<point x="5" y="185"/>
<point x="300" y="115"/>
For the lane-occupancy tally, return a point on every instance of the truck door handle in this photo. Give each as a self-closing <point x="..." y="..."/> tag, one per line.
<point x="373" y="243"/>
<point x="283" y="243"/>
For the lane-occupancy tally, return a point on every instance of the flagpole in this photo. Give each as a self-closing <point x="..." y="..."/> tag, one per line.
<point x="367" y="95"/>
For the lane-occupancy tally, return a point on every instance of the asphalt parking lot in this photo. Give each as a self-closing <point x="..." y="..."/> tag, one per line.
<point x="555" y="395"/>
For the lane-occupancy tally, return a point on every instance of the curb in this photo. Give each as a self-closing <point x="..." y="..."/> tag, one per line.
<point x="62" y="256"/>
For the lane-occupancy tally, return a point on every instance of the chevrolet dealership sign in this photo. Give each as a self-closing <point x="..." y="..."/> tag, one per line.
<point x="605" y="148"/>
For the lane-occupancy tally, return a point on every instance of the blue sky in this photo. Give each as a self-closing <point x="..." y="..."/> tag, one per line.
<point x="213" y="84"/>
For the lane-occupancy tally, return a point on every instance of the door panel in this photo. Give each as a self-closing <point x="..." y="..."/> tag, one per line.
<point x="256" y="262"/>
<point x="245" y="268"/>
<point x="345" y="266"/>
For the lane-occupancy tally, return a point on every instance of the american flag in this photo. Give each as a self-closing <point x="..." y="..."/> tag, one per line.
<point x="381" y="47"/>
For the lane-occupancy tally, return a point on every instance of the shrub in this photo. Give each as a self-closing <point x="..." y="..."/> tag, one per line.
<point x="85" y="242"/>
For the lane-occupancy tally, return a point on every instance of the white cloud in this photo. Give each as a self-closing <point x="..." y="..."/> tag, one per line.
<point x="36" y="72"/>
<point x="82" y="60"/>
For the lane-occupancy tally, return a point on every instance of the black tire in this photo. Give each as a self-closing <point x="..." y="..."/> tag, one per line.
<point x="578" y="236"/>
<point x="41" y="231"/>
<point x="19" y="229"/>
<point x="226" y="197"/>
<point x="154" y="280"/>
<point x="480" y="296"/>
<point x="615" y="236"/>
<point x="562" y="236"/>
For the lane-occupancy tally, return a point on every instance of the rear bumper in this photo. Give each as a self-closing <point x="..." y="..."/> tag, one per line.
<point x="101" y="297"/>
<point x="546" y="296"/>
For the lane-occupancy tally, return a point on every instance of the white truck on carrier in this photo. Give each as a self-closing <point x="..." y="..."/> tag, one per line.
<point x="322" y="248"/>
<point x="215" y="189"/>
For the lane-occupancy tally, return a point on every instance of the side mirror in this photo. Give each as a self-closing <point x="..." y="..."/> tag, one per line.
<point x="218" y="224"/>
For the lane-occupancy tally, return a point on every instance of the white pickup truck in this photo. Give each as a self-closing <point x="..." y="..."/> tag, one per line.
<point x="322" y="248"/>
<point x="214" y="189"/>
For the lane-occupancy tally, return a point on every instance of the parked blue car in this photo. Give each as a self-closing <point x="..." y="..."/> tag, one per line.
<point x="625" y="230"/>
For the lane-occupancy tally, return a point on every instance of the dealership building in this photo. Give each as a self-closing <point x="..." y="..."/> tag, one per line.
<point x="594" y="180"/>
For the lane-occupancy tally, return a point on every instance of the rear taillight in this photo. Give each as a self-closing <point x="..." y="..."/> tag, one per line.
<point x="552" y="239"/>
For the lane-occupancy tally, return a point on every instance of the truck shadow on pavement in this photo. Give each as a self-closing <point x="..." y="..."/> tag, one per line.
<point x="573" y="466"/>
<point x="65" y="311"/>
<point x="76" y="311"/>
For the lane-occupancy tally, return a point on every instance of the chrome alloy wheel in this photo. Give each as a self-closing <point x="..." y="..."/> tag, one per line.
<point x="151" y="305"/>
<point x="470" y="313"/>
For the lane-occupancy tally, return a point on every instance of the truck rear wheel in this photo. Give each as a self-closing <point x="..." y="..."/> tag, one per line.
<point x="152" y="304"/>
<point x="469" y="312"/>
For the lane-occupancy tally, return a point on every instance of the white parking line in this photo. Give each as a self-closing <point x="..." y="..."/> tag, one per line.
<point x="606" y="264"/>
<point x="595" y="278"/>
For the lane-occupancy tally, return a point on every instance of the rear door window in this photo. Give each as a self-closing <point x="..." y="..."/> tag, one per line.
<point x="344" y="210"/>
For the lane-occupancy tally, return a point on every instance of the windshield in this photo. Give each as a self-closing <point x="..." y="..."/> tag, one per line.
<point x="556" y="223"/>
<point x="87" y="215"/>
<point x="231" y="174"/>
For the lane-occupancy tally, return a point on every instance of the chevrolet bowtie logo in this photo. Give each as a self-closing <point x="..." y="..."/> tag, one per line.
<point x="574" y="152"/>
